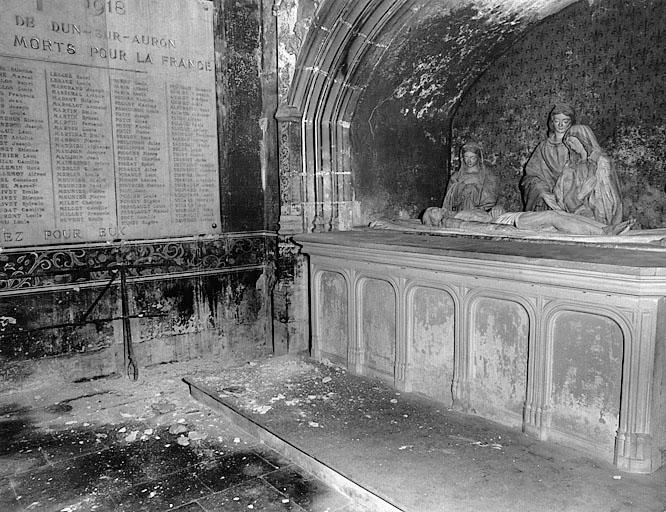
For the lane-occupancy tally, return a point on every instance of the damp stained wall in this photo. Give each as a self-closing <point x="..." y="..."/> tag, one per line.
<point x="334" y="315"/>
<point x="186" y="298"/>
<point x="499" y="352"/>
<point x="293" y="20"/>
<point x="480" y="71"/>
<point x="587" y="375"/>
<point x="432" y="350"/>
<point x="245" y="96"/>
<point x="401" y="125"/>
<point x="607" y="59"/>
<point x="377" y="326"/>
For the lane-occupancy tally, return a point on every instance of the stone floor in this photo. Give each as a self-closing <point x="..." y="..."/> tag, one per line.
<point x="118" y="445"/>
<point x="419" y="454"/>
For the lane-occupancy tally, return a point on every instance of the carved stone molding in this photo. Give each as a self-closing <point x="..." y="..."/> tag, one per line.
<point x="49" y="267"/>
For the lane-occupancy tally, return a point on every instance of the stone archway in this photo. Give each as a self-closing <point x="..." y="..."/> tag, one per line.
<point x="347" y="39"/>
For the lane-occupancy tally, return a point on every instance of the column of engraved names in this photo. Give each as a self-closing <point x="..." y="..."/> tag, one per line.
<point x="193" y="152"/>
<point x="142" y="190"/>
<point x="204" y="153"/>
<point x="23" y="165"/>
<point x="83" y="174"/>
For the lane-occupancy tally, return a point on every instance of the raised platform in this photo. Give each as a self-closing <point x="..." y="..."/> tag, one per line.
<point x="387" y="449"/>
<point x="362" y="499"/>
<point x="562" y="340"/>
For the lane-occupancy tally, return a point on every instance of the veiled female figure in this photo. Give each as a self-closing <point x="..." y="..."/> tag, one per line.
<point x="473" y="185"/>
<point x="589" y="186"/>
<point x="548" y="161"/>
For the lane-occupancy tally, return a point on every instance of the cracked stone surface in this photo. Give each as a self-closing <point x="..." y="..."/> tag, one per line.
<point x="108" y="445"/>
<point x="418" y="453"/>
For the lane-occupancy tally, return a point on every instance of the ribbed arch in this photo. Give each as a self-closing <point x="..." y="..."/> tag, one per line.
<point x="332" y="71"/>
<point x="325" y="84"/>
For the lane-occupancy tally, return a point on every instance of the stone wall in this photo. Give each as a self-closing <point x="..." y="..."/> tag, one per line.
<point x="401" y="126"/>
<point x="294" y="19"/>
<point x="453" y="73"/>
<point x="246" y="103"/>
<point x="607" y="59"/>
<point x="402" y="122"/>
<point x="61" y="307"/>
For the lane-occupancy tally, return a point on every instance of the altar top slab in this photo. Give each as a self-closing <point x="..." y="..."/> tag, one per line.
<point x="636" y="260"/>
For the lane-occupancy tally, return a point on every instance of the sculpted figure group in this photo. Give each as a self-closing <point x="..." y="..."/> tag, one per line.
<point x="569" y="186"/>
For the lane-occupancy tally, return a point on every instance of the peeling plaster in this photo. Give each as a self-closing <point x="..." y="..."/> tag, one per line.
<point x="432" y="352"/>
<point x="587" y="369"/>
<point x="436" y="81"/>
<point x="334" y="321"/>
<point x="378" y="325"/>
<point x="516" y="10"/>
<point x="294" y="20"/>
<point x="500" y="357"/>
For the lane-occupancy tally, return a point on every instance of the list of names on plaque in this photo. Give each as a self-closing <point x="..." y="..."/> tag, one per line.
<point x="194" y="164"/>
<point x="143" y="194"/>
<point x="107" y="121"/>
<point x="24" y="158"/>
<point x="80" y="148"/>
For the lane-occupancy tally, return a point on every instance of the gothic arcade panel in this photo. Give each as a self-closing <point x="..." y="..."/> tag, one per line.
<point x="332" y="316"/>
<point x="587" y="375"/>
<point x="378" y="313"/>
<point x="499" y="347"/>
<point x="431" y="349"/>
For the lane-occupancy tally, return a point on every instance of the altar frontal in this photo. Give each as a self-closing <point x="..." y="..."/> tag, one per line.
<point x="562" y="340"/>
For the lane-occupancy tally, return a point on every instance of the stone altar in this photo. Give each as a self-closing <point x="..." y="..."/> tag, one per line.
<point x="563" y="340"/>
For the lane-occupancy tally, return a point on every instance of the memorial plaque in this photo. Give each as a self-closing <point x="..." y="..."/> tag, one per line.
<point x="108" y="125"/>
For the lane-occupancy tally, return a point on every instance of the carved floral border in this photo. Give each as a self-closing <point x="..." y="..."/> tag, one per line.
<point x="47" y="267"/>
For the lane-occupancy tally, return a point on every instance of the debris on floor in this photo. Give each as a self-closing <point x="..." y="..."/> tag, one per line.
<point x="118" y="445"/>
<point x="421" y="454"/>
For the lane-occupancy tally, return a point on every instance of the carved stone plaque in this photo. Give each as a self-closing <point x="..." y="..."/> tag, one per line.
<point x="108" y="124"/>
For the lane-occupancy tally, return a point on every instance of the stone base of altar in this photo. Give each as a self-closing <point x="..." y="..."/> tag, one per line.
<point x="563" y="340"/>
